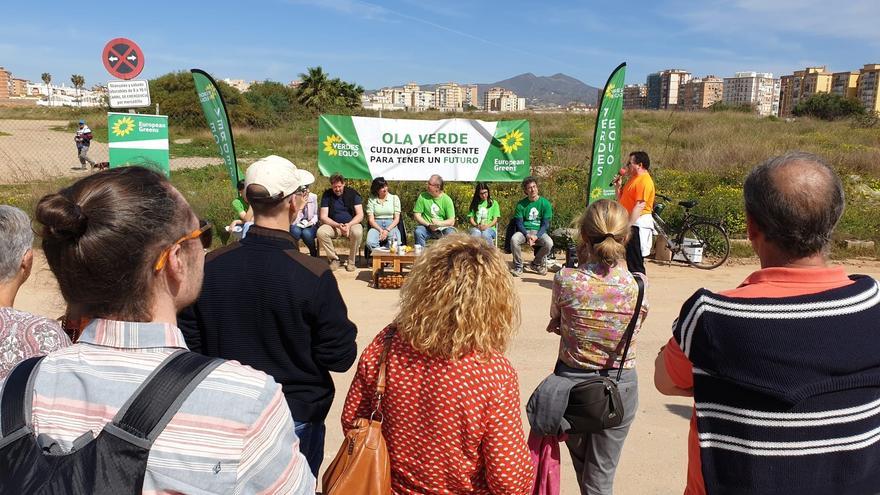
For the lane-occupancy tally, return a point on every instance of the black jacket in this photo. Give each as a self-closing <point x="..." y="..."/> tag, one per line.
<point x="267" y="306"/>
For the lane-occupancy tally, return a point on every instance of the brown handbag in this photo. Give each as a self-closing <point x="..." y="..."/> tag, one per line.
<point x="362" y="465"/>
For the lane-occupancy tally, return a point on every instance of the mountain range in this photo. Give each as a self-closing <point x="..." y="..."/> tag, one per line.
<point x="541" y="91"/>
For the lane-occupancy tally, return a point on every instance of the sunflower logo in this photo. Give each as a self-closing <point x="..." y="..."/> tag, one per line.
<point x="512" y="141"/>
<point x="329" y="142"/>
<point x="609" y="91"/>
<point x="123" y="126"/>
<point x="596" y="193"/>
<point x="211" y="91"/>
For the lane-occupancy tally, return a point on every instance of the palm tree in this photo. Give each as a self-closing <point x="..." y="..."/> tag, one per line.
<point x="78" y="82"/>
<point x="318" y="91"/>
<point x="47" y="78"/>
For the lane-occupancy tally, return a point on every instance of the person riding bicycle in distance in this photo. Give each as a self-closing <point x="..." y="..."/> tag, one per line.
<point x="637" y="196"/>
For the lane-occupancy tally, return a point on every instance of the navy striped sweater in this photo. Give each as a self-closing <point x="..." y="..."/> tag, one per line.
<point x="787" y="390"/>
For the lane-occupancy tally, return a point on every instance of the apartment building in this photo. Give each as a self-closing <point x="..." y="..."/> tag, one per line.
<point x="5" y="83"/>
<point x="18" y="87"/>
<point x="635" y="96"/>
<point x="869" y="87"/>
<point x="800" y="86"/>
<point x="700" y="93"/>
<point x="240" y="84"/>
<point x="670" y="83"/>
<point x="449" y="97"/>
<point x="503" y="100"/>
<point x="845" y="84"/>
<point x="653" y="97"/>
<point x="471" y="95"/>
<point x="758" y="90"/>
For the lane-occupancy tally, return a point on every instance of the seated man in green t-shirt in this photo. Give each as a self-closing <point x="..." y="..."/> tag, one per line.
<point x="434" y="212"/>
<point x="532" y="219"/>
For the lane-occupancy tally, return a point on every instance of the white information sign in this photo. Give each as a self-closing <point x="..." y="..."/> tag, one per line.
<point x="128" y="94"/>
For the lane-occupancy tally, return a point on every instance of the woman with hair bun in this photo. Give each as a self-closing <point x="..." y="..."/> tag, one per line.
<point x="590" y="309"/>
<point x="451" y="411"/>
<point x="128" y="253"/>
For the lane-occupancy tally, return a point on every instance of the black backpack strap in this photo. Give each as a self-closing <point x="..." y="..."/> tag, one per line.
<point x="15" y="403"/>
<point x="159" y="398"/>
<point x="630" y="330"/>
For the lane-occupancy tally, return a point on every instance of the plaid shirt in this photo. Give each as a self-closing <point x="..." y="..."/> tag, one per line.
<point x="233" y="434"/>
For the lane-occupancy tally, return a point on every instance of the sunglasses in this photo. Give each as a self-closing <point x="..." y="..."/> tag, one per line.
<point x="203" y="234"/>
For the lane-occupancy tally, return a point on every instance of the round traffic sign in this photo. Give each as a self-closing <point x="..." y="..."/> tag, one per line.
<point x="123" y="58"/>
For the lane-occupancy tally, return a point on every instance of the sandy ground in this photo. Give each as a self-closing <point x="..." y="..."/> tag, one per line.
<point x="33" y="151"/>
<point x="654" y="457"/>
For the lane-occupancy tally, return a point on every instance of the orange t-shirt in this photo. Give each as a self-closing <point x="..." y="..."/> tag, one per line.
<point x="639" y="188"/>
<point x="769" y="282"/>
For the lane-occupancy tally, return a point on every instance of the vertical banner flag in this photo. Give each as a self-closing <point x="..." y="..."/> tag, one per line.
<point x="140" y="140"/>
<point x="606" y="138"/>
<point x="218" y="121"/>
<point x="401" y="149"/>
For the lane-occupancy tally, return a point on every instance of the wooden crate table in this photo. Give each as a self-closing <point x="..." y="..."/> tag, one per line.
<point x="397" y="262"/>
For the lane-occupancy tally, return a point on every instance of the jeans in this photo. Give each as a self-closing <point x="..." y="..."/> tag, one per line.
<point x="595" y="455"/>
<point x="544" y="244"/>
<point x="307" y="235"/>
<point x="423" y="233"/>
<point x="488" y="235"/>
<point x="311" y="443"/>
<point x="373" y="235"/>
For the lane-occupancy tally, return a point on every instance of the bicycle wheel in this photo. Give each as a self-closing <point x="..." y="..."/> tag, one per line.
<point x="705" y="245"/>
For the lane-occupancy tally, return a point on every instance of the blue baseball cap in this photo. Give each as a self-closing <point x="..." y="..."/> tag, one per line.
<point x="82" y="121"/>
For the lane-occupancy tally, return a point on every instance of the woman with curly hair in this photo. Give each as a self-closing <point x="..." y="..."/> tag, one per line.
<point x="451" y="404"/>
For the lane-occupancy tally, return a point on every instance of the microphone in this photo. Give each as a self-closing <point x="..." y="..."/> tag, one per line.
<point x="618" y="177"/>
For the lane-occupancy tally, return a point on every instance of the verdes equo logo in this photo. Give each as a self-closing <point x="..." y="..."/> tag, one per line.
<point x="334" y="146"/>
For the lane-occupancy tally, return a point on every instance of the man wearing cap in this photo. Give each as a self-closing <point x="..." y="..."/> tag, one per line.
<point x="83" y="140"/>
<point x="266" y="305"/>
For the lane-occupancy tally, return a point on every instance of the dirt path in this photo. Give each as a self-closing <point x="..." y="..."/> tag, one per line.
<point x="654" y="457"/>
<point x="33" y="151"/>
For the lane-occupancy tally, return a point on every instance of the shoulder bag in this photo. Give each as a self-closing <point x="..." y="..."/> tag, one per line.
<point x="362" y="465"/>
<point x="595" y="404"/>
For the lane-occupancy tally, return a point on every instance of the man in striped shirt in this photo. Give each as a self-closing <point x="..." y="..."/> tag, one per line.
<point x="784" y="369"/>
<point x="233" y="433"/>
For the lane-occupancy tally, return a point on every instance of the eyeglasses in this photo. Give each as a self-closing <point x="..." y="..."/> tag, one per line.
<point x="435" y="184"/>
<point x="203" y="233"/>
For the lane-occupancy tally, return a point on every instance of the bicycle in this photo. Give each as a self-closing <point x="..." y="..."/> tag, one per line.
<point x="701" y="242"/>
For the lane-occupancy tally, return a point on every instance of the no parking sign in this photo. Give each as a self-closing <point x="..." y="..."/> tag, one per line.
<point x="123" y="58"/>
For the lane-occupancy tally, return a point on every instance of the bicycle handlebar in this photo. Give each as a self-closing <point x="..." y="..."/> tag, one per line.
<point x="664" y="198"/>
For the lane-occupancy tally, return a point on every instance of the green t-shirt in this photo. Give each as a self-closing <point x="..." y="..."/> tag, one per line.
<point x="532" y="212"/>
<point x="436" y="209"/>
<point x="383" y="208"/>
<point x="239" y="206"/>
<point x="485" y="214"/>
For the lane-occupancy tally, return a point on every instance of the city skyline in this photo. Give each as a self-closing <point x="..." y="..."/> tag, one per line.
<point x="383" y="44"/>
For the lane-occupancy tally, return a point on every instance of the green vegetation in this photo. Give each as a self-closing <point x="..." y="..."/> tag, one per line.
<point x="827" y="106"/>
<point x="4" y="134"/>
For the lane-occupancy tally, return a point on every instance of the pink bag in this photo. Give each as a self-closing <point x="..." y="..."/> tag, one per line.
<point x="545" y="456"/>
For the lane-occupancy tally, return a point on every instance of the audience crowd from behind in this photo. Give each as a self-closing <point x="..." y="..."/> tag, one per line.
<point x="451" y="405"/>
<point x="782" y="369"/>
<point x="125" y="248"/>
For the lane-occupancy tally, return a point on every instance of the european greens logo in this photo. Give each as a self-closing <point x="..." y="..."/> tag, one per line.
<point x="334" y="146"/>
<point x="613" y="92"/>
<point x="123" y="126"/>
<point x="512" y="141"/>
<point x="596" y="193"/>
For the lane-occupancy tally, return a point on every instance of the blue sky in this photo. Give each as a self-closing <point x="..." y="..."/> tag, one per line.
<point x="379" y="43"/>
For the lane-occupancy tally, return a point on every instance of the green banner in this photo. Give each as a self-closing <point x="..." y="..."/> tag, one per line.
<point x="141" y="140"/>
<point x="401" y="149"/>
<point x="218" y="121"/>
<point x="606" y="138"/>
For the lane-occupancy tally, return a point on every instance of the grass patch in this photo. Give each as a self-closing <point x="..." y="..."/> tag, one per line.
<point x="4" y="134"/>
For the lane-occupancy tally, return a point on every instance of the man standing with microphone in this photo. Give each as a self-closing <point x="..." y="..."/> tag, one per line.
<point x="637" y="196"/>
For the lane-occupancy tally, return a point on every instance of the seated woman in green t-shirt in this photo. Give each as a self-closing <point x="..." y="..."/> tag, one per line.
<point x="484" y="213"/>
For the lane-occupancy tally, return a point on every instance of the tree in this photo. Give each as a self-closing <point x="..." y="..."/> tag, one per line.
<point x="47" y="78"/>
<point x="827" y="106"/>
<point x="78" y="82"/>
<point x="319" y="92"/>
